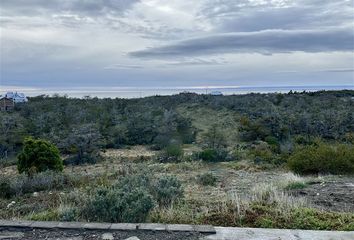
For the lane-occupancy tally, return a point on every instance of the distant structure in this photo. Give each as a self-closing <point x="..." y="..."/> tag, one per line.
<point x="216" y="93"/>
<point x="16" y="97"/>
<point x="8" y="101"/>
<point x="6" y="104"/>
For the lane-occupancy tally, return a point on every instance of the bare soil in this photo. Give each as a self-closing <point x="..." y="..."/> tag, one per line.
<point x="55" y="234"/>
<point x="335" y="194"/>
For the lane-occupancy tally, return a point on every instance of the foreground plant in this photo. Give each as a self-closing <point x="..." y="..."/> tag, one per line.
<point x="39" y="155"/>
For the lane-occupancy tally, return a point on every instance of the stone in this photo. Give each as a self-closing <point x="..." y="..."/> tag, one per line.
<point x="65" y="238"/>
<point x="152" y="226"/>
<point x="71" y="225"/>
<point x="204" y="229"/>
<point x="132" y="238"/>
<point x="180" y="228"/>
<point x="231" y="233"/>
<point x="124" y="226"/>
<point x="107" y="236"/>
<point x="10" y="235"/>
<point x="97" y="226"/>
<point x="7" y="223"/>
<point x="41" y="224"/>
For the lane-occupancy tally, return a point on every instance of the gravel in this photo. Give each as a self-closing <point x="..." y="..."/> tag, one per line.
<point x="56" y="234"/>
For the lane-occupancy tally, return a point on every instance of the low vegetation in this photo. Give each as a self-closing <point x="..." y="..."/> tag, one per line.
<point x="194" y="168"/>
<point x="207" y="179"/>
<point x="323" y="158"/>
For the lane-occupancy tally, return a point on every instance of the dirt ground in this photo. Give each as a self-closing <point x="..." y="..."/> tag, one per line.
<point x="334" y="194"/>
<point x="38" y="234"/>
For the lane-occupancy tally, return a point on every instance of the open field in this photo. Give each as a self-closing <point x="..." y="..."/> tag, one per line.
<point x="256" y="160"/>
<point x="239" y="183"/>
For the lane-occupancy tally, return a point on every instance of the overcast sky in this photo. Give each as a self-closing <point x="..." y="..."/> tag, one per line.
<point x="113" y="43"/>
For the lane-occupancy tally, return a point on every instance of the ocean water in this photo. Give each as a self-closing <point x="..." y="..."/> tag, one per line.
<point x="138" y="92"/>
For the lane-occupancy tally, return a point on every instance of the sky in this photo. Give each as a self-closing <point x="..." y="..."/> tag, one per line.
<point x="53" y="44"/>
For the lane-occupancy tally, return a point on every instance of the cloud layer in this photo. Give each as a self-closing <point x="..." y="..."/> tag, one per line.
<point x="265" y="42"/>
<point x="159" y="42"/>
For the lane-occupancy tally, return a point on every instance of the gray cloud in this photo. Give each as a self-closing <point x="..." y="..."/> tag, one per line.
<point x="339" y="70"/>
<point x="265" y="42"/>
<point x="197" y="61"/>
<point x="122" y="66"/>
<point x="86" y="7"/>
<point x="245" y="15"/>
<point x="69" y="42"/>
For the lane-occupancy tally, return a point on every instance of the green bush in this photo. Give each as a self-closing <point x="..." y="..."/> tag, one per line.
<point x="174" y="150"/>
<point x="167" y="190"/>
<point x="207" y="179"/>
<point x="296" y="185"/>
<point x="322" y="158"/>
<point x="213" y="155"/>
<point x="136" y="180"/>
<point x="113" y="204"/>
<point x="37" y="156"/>
<point x="68" y="214"/>
<point x="6" y="191"/>
<point x="48" y="215"/>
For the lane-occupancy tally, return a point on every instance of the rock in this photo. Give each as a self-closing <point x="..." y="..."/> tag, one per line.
<point x="132" y="238"/>
<point x="107" y="236"/>
<point x="10" y="235"/>
<point x="35" y="194"/>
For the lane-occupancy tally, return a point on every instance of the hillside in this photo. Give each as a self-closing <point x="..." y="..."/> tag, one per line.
<point x="256" y="160"/>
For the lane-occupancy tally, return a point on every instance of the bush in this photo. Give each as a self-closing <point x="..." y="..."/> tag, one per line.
<point x="44" y="181"/>
<point x="5" y="188"/>
<point x="167" y="190"/>
<point x="322" y="158"/>
<point x="207" y="179"/>
<point x="113" y="204"/>
<point x="174" y="151"/>
<point x="213" y="155"/>
<point x="38" y="156"/>
<point x="296" y="185"/>
<point x="68" y="214"/>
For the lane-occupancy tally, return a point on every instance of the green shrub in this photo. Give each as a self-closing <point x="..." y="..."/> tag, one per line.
<point x="68" y="214"/>
<point x="296" y="185"/>
<point x="6" y="191"/>
<point x="213" y="155"/>
<point x="262" y="153"/>
<point x="48" y="215"/>
<point x="173" y="151"/>
<point x="38" y="156"/>
<point x="135" y="180"/>
<point x="167" y="190"/>
<point x="322" y="158"/>
<point x="207" y="179"/>
<point x="112" y="204"/>
<point x="271" y="140"/>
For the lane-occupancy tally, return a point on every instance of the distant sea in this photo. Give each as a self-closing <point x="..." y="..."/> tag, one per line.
<point x="138" y="92"/>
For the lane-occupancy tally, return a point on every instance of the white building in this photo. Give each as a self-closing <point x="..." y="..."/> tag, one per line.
<point x="16" y="97"/>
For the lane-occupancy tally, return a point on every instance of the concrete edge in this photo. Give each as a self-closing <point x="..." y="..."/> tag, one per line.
<point x="109" y="226"/>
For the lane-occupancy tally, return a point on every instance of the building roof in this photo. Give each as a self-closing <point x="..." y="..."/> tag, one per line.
<point x="16" y="97"/>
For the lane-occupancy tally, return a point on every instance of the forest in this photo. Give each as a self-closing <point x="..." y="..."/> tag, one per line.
<point x="271" y="125"/>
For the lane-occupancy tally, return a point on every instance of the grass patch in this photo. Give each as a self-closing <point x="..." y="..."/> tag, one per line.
<point x="296" y="186"/>
<point x="207" y="179"/>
